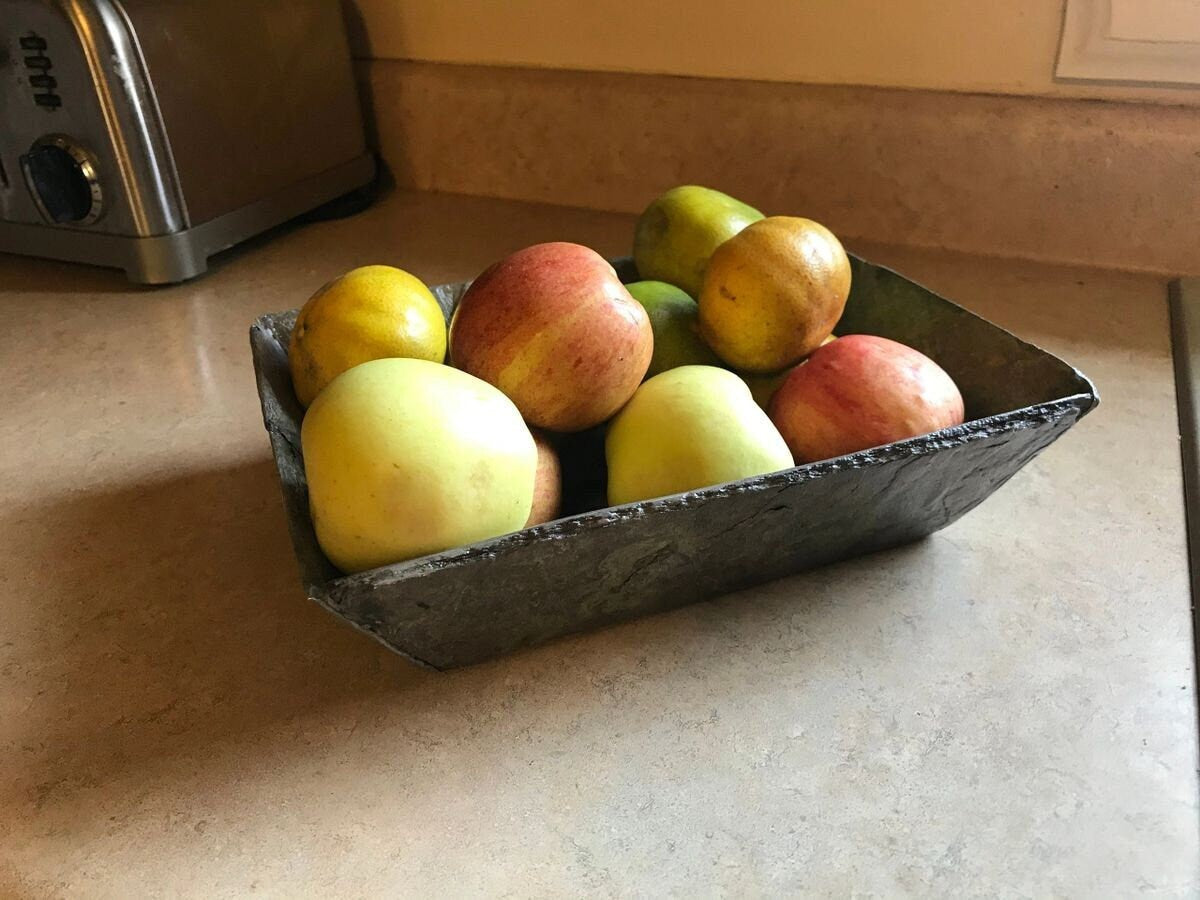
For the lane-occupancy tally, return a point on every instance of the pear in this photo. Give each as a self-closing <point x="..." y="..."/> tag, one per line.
<point x="679" y="231"/>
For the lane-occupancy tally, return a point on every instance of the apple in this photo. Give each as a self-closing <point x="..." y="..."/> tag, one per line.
<point x="553" y="327"/>
<point x="547" y="483"/>
<point x="688" y="428"/>
<point x="675" y="321"/>
<point x="763" y="387"/>
<point x="406" y="457"/>
<point x="862" y="391"/>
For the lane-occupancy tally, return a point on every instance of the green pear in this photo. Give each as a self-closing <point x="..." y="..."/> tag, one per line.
<point x="679" y="231"/>
<point x="689" y="428"/>
<point x="675" y="321"/>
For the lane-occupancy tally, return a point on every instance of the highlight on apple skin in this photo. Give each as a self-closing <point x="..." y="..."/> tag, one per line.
<point x="862" y="391"/>
<point x="553" y="327"/>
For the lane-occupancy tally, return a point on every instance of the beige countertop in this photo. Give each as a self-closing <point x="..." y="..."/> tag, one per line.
<point x="1006" y="708"/>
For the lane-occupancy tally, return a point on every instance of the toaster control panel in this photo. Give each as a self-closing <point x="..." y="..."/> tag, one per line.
<point x="38" y="65"/>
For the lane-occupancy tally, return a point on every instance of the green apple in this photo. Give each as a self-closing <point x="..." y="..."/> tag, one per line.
<point x="763" y="387"/>
<point x="406" y="457"/>
<point x="679" y="230"/>
<point x="675" y="321"/>
<point x="689" y="428"/>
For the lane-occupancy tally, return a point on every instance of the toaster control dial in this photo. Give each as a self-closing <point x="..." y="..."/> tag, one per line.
<point x="62" y="177"/>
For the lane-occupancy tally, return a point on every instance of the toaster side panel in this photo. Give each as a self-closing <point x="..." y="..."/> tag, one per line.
<point x="254" y="95"/>
<point x="76" y="114"/>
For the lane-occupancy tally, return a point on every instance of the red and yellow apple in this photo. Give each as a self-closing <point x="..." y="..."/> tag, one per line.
<point x="862" y="391"/>
<point x="553" y="327"/>
<point x="547" y="483"/>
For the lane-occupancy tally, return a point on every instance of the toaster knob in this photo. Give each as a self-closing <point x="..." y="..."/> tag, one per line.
<point x="62" y="178"/>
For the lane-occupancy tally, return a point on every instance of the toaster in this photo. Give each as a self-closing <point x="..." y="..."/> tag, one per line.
<point x="148" y="135"/>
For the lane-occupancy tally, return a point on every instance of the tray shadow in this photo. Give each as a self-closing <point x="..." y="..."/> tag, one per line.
<point x="175" y="656"/>
<point x="173" y="617"/>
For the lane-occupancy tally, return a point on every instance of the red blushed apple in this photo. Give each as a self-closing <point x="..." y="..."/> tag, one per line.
<point x="547" y="483"/>
<point x="553" y="327"/>
<point x="862" y="391"/>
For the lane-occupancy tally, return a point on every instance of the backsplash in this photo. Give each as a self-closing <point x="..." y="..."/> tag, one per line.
<point x="1090" y="182"/>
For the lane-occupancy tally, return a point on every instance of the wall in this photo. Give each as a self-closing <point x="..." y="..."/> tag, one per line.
<point x="933" y="123"/>
<point x="987" y="46"/>
<point x="1097" y="184"/>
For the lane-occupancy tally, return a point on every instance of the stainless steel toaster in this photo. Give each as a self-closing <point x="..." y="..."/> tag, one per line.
<point x="150" y="134"/>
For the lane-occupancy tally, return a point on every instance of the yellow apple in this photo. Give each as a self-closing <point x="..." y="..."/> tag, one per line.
<point x="406" y="457"/>
<point x="689" y="428"/>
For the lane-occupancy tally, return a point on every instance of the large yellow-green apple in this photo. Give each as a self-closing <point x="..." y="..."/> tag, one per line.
<point x="862" y="391"/>
<point x="553" y="327"/>
<point x="547" y="483"/>
<point x="689" y="428"/>
<point x="675" y="321"/>
<point x="406" y="457"/>
<point x="773" y="293"/>
<point x="680" y="229"/>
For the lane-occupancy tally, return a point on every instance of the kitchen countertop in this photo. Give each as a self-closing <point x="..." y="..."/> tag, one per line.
<point x="1005" y="708"/>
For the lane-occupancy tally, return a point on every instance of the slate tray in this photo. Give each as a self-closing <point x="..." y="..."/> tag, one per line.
<point x="606" y="565"/>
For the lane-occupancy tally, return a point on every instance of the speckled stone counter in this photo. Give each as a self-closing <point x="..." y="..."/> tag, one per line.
<point x="1006" y="708"/>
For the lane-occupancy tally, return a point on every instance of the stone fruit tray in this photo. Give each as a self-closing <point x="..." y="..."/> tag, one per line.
<point x="598" y="566"/>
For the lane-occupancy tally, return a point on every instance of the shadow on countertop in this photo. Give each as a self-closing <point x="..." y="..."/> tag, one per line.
<point x="172" y="617"/>
<point x="174" y="657"/>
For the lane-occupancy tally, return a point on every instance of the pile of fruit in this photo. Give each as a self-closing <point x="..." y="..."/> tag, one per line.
<point x="722" y="365"/>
